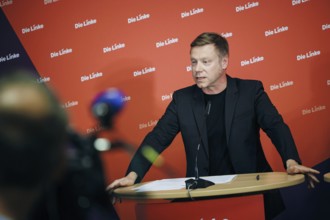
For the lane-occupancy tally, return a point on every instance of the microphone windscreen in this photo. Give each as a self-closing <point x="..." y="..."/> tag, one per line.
<point x="107" y="104"/>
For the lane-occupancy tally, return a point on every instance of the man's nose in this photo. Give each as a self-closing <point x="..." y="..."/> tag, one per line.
<point x="198" y="67"/>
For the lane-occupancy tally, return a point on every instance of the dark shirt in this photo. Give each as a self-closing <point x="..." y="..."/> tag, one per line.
<point x="219" y="160"/>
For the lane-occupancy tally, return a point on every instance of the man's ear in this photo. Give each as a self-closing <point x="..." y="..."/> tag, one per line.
<point x="224" y="62"/>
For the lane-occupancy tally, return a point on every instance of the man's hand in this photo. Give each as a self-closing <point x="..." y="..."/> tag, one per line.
<point x="128" y="180"/>
<point x="294" y="168"/>
<point x="125" y="181"/>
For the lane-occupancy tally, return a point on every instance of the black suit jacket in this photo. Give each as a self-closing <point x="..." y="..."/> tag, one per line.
<point x="247" y="110"/>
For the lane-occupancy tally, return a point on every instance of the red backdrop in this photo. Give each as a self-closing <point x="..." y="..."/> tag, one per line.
<point x="142" y="47"/>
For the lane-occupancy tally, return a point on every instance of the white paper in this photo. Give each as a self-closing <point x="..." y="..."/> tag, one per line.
<point x="179" y="183"/>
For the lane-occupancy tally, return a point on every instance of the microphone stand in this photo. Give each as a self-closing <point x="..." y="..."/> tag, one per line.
<point x="195" y="183"/>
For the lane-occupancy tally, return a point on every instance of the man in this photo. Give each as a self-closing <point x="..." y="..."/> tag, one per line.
<point x="224" y="115"/>
<point x="32" y="133"/>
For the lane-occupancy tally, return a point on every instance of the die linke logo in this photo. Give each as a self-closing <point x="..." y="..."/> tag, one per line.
<point x="308" y="55"/>
<point x="281" y="85"/>
<point x="9" y="56"/>
<point x="70" y="104"/>
<point x="150" y="123"/>
<point x="114" y="47"/>
<point x="227" y="34"/>
<point x="126" y="98"/>
<point x="325" y="27"/>
<point x="248" y="5"/>
<point x="298" y="2"/>
<point x="252" y="60"/>
<point x="94" y="129"/>
<point x="46" y="2"/>
<point x="144" y="71"/>
<point x="313" y="109"/>
<point x="138" y="18"/>
<point x="91" y="76"/>
<point x="5" y="3"/>
<point x="192" y="12"/>
<point x="276" y="30"/>
<point x="167" y="42"/>
<point x="85" y="23"/>
<point x="43" y="79"/>
<point x="61" y="52"/>
<point x="166" y="96"/>
<point x="32" y="28"/>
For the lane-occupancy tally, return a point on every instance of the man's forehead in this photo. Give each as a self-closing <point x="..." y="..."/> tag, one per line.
<point x="203" y="52"/>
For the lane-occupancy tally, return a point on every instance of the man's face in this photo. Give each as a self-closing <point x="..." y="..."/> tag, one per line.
<point x="208" y="67"/>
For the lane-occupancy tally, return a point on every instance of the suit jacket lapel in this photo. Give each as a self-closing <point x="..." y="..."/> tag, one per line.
<point x="199" y="113"/>
<point x="230" y="104"/>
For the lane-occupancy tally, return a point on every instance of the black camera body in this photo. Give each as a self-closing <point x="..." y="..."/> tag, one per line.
<point x="81" y="193"/>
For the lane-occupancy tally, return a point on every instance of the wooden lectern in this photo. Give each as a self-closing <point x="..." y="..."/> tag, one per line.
<point x="239" y="199"/>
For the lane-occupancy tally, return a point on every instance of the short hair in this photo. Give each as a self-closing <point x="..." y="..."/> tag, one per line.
<point x="31" y="146"/>
<point x="206" y="38"/>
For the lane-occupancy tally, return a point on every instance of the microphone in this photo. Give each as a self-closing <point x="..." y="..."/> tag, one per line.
<point x="198" y="182"/>
<point x="106" y="105"/>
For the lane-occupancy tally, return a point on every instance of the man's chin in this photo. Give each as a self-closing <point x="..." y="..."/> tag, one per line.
<point x="201" y="86"/>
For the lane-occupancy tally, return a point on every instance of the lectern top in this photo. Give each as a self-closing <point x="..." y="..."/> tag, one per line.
<point x="243" y="183"/>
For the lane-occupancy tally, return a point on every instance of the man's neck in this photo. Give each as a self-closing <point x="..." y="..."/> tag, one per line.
<point x="220" y="86"/>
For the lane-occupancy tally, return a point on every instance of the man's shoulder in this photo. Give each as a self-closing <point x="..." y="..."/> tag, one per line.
<point x="243" y="82"/>
<point x="186" y="93"/>
<point x="187" y="89"/>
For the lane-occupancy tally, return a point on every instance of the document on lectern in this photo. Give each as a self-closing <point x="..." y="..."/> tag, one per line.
<point x="179" y="183"/>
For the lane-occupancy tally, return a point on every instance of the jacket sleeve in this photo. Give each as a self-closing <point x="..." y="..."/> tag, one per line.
<point x="157" y="141"/>
<point x="271" y="122"/>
